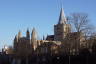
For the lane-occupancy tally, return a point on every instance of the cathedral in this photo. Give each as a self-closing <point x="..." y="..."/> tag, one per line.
<point x="63" y="40"/>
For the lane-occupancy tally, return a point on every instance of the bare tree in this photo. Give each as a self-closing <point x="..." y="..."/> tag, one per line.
<point x="80" y="24"/>
<point x="79" y="21"/>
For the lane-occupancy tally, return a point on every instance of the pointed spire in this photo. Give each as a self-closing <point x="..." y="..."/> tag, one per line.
<point x="34" y="39"/>
<point x="16" y="38"/>
<point x="33" y="35"/>
<point x="28" y="34"/>
<point x="43" y="37"/>
<point x="62" y="18"/>
<point x="19" y="34"/>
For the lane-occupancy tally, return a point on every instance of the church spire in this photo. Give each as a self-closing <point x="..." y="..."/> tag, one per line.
<point x="34" y="39"/>
<point x="19" y="34"/>
<point x="28" y="34"/>
<point x="33" y="35"/>
<point x="43" y="37"/>
<point x="16" y="39"/>
<point x="62" y="18"/>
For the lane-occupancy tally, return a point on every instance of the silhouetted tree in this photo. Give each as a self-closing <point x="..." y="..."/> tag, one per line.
<point x="80" y="24"/>
<point x="79" y="21"/>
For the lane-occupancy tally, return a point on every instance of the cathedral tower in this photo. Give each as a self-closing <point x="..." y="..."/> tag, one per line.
<point x="34" y="39"/>
<point x="19" y="34"/>
<point x="62" y="28"/>
<point x="16" y="39"/>
<point x="28" y="34"/>
<point x="15" y="43"/>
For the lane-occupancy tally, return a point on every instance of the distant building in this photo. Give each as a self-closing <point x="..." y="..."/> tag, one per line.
<point x="7" y="50"/>
<point x="24" y="46"/>
<point x="63" y="40"/>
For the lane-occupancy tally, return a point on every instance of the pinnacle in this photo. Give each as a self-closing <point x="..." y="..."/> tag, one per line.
<point x="62" y="19"/>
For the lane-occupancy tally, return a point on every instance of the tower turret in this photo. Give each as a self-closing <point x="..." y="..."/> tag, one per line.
<point x="28" y="34"/>
<point x="43" y="37"/>
<point x="34" y="38"/>
<point x="16" y="38"/>
<point x="15" y="45"/>
<point x="34" y="35"/>
<point x="19" y="34"/>
<point x="62" y="28"/>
